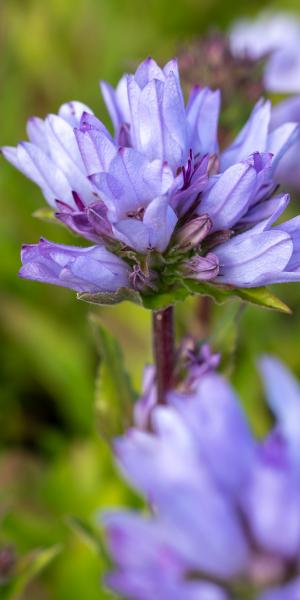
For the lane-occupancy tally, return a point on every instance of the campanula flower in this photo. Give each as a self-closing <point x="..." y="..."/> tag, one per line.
<point x="276" y="37"/>
<point x="161" y="178"/>
<point x="224" y="518"/>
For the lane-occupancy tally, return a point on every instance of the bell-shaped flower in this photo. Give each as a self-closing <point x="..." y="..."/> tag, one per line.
<point x="91" y="269"/>
<point x="142" y="193"/>
<point x="224" y="507"/>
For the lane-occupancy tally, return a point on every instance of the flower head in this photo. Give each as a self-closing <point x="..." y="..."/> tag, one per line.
<point x="275" y="37"/>
<point x="160" y="179"/>
<point x="225" y="508"/>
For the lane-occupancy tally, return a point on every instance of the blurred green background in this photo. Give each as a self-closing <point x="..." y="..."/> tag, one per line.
<point x="53" y="464"/>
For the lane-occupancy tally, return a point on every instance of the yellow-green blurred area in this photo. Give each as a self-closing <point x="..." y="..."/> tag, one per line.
<point x="53" y="465"/>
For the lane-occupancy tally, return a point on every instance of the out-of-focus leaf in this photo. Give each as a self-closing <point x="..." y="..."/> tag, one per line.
<point x="27" y="569"/>
<point x="56" y="357"/>
<point x="91" y="536"/>
<point x="110" y="298"/>
<point x="114" y="392"/>
<point x="225" y="333"/>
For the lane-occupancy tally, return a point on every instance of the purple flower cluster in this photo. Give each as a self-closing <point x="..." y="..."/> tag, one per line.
<point x="224" y="519"/>
<point x="275" y="37"/>
<point x="159" y="199"/>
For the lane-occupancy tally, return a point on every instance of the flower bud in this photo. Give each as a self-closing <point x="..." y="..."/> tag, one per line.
<point x="202" y="268"/>
<point x="193" y="232"/>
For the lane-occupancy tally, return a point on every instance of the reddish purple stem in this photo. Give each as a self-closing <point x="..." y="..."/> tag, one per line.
<point x="163" y="350"/>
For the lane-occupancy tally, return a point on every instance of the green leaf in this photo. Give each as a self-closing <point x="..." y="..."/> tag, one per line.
<point x="109" y="298"/>
<point x="90" y="535"/>
<point x="163" y="299"/>
<point x="260" y="296"/>
<point x="225" y="331"/>
<point x="27" y="569"/>
<point x="114" y="393"/>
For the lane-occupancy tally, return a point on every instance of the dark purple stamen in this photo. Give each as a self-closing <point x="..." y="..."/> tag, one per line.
<point x="78" y="201"/>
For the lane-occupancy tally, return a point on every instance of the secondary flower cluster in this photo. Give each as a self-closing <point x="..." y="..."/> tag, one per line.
<point x="276" y="38"/>
<point x="224" y="519"/>
<point x="158" y="199"/>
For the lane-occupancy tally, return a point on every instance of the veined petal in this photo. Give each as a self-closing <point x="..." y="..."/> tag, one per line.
<point x="174" y="122"/>
<point x="279" y="137"/>
<point x="280" y="141"/>
<point x="150" y="134"/>
<point x="172" y="67"/>
<point x="252" y="138"/>
<point x="34" y="163"/>
<point x="160" y="219"/>
<point x="202" y="115"/>
<point x="96" y="149"/>
<point x="64" y="151"/>
<point x="134" y="233"/>
<point x="72" y="112"/>
<point x="36" y="131"/>
<point x="62" y="142"/>
<point x="252" y="260"/>
<point x="132" y="182"/>
<point x="147" y="71"/>
<point x="228" y="200"/>
<point x="11" y="154"/>
<point x="89" y="269"/>
<point x="292" y="227"/>
<point x="267" y="212"/>
<point x="116" y="102"/>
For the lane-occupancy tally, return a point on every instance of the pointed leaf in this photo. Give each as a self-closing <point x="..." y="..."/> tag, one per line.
<point x="110" y="298"/>
<point x="90" y="535"/>
<point x="225" y="331"/>
<point x="114" y="393"/>
<point x="27" y="569"/>
<point x="260" y="296"/>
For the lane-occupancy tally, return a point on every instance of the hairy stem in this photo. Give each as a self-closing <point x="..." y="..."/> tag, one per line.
<point x="163" y="350"/>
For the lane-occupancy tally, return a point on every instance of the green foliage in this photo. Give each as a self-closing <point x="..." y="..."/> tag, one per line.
<point x="181" y="289"/>
<point x="27" y="568"/>
<point x="111" y="298"/>
<point x="260" y="296"/>
<point x="114" y="393"/>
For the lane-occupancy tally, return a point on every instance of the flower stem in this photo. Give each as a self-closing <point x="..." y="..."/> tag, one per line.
<point x="163" y="350"/>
